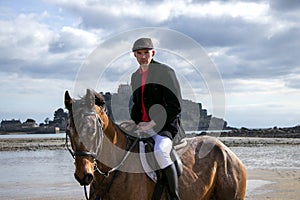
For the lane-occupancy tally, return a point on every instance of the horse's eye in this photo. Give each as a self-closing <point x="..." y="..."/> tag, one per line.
<point x="91" y="130"/>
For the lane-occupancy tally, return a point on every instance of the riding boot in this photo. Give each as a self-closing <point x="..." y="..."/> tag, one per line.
<point x="158" y="190"/>
<point x="159" y="187"/>
<point x="172" y="181"/>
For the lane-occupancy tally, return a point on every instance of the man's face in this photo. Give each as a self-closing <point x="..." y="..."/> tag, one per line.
<point x="144" y="56"/>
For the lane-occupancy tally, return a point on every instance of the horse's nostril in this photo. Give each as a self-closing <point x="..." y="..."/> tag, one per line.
<point x="88" y="179"/>
<point x="77" y="178"/>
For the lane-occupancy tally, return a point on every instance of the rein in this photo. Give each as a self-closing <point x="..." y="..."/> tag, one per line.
<point x="119" y="166"/>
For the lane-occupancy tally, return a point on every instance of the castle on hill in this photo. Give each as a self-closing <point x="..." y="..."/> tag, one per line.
<point x="193" y="116"/>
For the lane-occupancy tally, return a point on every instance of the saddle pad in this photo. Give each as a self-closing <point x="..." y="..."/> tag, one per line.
<point x="150" y="173"/>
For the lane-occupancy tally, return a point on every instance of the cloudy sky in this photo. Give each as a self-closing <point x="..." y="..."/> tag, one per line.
<point x="254" y="46"/>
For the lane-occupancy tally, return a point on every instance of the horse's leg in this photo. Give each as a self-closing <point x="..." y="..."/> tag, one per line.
<point x="197" y="186"/>
<point x="228" y="173"/>
<point x="198" y="178"/>
<point x="232" y="172"/>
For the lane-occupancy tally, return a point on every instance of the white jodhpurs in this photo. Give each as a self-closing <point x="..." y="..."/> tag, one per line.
<point x="162" y="149"/>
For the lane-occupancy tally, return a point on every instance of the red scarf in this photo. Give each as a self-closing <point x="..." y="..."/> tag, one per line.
<point x="144" y="75"/>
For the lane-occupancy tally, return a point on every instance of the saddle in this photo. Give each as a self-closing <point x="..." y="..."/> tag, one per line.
<point x="146" y="146"/>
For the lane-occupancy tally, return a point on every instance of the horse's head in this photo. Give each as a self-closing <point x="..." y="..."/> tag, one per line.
<point x="84" y="129"/>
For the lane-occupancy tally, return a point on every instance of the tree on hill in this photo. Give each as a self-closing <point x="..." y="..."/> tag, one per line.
<point x="47" y="120"/>
<point x="60" y="115"/>
<point x="30" y="120"/>
<point x="59" y="119"/>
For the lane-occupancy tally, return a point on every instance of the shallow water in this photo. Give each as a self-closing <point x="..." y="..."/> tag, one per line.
<point x="49" y="173"/>
<point x="37" y="174"/>
<point x="269" y="157"/>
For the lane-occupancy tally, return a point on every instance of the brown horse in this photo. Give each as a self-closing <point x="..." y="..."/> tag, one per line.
<point x="102" y="159"/>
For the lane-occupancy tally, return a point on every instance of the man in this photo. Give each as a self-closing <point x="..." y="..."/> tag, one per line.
<point x="156" y="106"/>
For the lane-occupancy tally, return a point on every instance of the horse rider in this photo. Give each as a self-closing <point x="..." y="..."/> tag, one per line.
<point x="156" y="107"/>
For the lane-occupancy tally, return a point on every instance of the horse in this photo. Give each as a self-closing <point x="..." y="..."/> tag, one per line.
<point x="107" y="161"/>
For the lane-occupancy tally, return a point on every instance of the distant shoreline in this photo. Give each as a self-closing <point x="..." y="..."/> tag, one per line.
<point x="27" y="133"/>
<point x="52" y="143"/>
<point x="275" y="132"/>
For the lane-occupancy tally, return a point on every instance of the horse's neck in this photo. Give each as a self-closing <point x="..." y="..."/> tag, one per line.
<point x="114" y="148"/>
<point x="112" y="132"/>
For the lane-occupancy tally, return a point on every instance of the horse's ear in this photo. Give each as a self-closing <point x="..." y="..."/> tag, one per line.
<point x="99" y="99"/>
<point x="68" y="101"/>
<point x="90" y="97"/>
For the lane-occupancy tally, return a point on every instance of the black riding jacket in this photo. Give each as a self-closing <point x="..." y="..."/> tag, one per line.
<point x="162" y="98"/>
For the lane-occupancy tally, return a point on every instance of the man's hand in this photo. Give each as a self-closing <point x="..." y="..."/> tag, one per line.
<point x="145" y="126"/>
<point x="129" y="125"/>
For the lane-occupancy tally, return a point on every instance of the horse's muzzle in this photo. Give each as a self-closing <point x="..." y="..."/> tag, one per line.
<point x="87" y="179"/>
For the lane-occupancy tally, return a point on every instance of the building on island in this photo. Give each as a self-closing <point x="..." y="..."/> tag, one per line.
<point x="11" y="125"/>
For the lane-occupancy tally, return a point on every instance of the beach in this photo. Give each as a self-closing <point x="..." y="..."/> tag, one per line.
<point x="39" y="142"/>
<point x="262" y="184"/>
<point x="273" y="168"/>
<point x="275" y="184"/>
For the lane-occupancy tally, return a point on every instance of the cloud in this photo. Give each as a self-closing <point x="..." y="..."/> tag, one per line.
<point x="279" y="5"/>
<point x="31" y="48"/>
<point x="265" y="58"/>
<point x="24" y="37"/>
<point x="261" y="103"/>
<point x="31" y="97"/>
<point x="293" y="81"/>
<point x="122" y="15"/>
<point x="71" y="39"/>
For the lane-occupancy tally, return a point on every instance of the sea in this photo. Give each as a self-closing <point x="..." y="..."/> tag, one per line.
<point x="49" y="174"/>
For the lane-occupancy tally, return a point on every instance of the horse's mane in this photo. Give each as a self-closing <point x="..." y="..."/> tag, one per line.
<point x="85" y="99"/>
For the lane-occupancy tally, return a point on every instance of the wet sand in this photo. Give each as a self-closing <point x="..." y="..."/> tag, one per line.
<point x="275" y="184"/>
<point x="262" y="184"/>
<point x="19" y="144"/>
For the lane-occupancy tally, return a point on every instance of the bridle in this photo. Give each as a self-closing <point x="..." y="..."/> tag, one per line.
<point x="85" y="153"/>
<point x="75" y="154"/>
